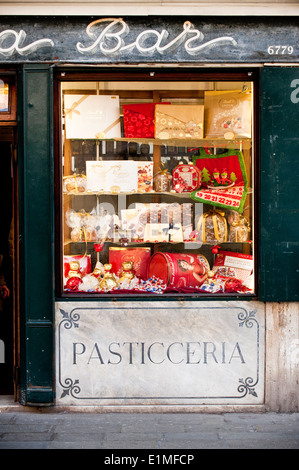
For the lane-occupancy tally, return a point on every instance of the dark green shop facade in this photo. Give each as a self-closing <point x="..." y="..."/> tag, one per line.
<point x="51" y="50"/>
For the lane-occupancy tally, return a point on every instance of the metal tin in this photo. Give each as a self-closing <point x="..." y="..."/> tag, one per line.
<point x="179" y="269"/>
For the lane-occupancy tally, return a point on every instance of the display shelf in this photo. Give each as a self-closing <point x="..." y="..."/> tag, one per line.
<point x="237" y="143"/>
<point x="145" y="242"/>
<point x="186" y="195"/>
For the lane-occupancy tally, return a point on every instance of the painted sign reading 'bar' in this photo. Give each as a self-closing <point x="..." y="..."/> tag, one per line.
<point x="110" y="40"/>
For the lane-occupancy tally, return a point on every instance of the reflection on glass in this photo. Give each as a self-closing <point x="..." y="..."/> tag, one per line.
<point x="4" y="93"/>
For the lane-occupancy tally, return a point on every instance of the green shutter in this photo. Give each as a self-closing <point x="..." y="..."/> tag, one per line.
<point x="36" y="233"/>
<point x="279" y="184"/>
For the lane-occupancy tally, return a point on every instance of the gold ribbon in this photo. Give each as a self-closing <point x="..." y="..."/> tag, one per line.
<point x="102" y="134"/>
<point x="202" y="221"/>
<point x="74" y="106"/>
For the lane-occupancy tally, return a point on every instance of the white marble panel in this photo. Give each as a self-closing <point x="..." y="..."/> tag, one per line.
<point x="160" y="352"/>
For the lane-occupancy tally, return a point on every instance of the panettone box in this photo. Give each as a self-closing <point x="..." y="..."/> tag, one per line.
<point x="92" y="116"/>
<point x="227" y="113"/>
<point x="179" y="121"/>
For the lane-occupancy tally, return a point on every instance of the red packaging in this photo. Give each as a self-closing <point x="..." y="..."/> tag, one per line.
<point x="140" y="257"/>
<point x="139" y="120"/>
<point x="85" y="264"/>
<point x="233" y="265"/>
<point x="178" y="269"/>
<point x="189" y="176"/>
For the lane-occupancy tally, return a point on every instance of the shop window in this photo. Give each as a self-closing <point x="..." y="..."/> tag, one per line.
<point x="157" y="182"/>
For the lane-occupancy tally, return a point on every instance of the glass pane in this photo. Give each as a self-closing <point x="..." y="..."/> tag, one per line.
<point x="158" y="188"/>
<point x="4" y="93"/>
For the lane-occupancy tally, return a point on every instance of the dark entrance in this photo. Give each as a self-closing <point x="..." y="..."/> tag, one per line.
<point x="7" y="263"/>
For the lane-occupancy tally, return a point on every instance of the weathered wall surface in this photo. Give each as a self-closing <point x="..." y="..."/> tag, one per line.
<point x="282" y="357"/>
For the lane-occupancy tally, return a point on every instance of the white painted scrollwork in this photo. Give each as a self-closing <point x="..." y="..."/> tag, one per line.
<point x="11" y="42"/>
<point x="147" y="42"/>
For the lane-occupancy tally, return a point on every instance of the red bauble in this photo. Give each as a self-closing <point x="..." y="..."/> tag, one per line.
<point x="73" y="283"/>
<point x="215" y="249"/>
<point x="98" y="247"/>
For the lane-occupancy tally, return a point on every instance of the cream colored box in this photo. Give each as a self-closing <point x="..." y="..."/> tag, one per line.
<point x="92" y="116"/>
<point x="111" y="176"/>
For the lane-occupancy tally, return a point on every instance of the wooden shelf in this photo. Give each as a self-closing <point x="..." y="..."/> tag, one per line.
<point x="238" y="143"/>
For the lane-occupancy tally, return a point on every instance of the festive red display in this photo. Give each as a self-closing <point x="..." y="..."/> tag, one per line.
<point x="139" y="120"/>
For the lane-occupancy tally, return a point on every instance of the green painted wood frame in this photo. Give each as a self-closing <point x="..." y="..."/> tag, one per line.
<point x="279" y="183"/>
<point x="36" y="228"/>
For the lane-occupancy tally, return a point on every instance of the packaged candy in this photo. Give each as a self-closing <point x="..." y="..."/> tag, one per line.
<point x="74" y="183"/>
<point x="162" y="181"/>
<point x="212" y="227"/>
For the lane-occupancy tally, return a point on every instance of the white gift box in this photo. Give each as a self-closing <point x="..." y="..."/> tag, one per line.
<point x="111" y="176"/>
<point x="92" y="116"/>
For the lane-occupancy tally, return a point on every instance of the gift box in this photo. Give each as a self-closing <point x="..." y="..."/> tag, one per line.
<point x="139" y="256"/>
<point x="233" y="265"/>
<point x="92" y="116"/>
<point x="179" y="121"/>
<point x="156" y="222"/>
<point x="188" y="176"/>
<point x="228" y="112"/>
<point x="139" y="120"/>
<point x="112" y="176"/>
<point x="145" y="177"/>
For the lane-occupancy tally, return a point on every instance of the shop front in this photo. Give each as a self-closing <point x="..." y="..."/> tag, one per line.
<point x="157" y="214"/>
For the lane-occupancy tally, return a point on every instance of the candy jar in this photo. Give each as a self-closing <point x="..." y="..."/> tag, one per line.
<point x="162" y="181"/>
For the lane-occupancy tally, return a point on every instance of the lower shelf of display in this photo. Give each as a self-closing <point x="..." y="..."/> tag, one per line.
<point x="109" y="193"/>
<point x="132" y="193"/>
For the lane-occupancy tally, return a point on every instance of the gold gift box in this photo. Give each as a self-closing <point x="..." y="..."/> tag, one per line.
<point x="179" y="121"/>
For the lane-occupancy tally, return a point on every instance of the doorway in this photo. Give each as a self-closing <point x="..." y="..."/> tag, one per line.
<point x="7" y="260"/>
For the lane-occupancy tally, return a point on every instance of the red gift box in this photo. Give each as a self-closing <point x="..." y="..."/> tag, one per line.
<point x="139" y="256"/>
<point x="139" y="120"/>
<point x="84" y="261"/>
<point x="230" y="264"/>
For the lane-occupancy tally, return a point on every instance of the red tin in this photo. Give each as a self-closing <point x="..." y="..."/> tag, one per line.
<point x="189" y="176"/>
<point x="179" y="269"/>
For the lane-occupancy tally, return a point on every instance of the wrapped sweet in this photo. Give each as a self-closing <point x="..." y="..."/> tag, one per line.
<point x="109" y="280"/>
<point x="212" y="227"/>
<point x="162" y="181"/>
<point x="238" y="227"/>
<point x="74" y="221"/>
<point x="238" y="233"/>
<point x="74" y="183"/>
